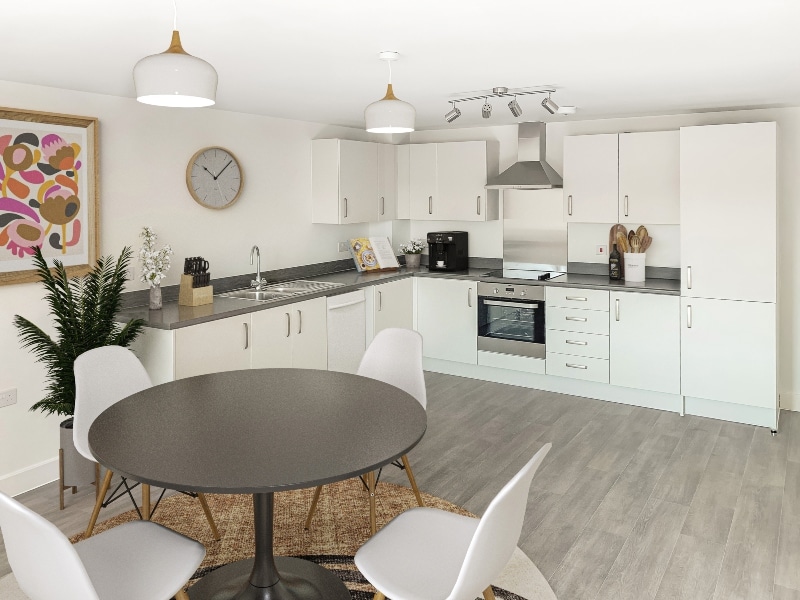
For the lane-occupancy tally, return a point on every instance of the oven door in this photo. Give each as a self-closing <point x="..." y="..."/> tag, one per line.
<point x="511" y="326"/>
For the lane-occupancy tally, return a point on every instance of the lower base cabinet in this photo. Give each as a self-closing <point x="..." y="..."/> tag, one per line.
<point x="294" y="335"/>
<point x="447" y="318"/>
<point x="221" y="345"/>
<point x="729" y="351"/>
<point x="393" y="305"/>
<point x="645" y="342"/>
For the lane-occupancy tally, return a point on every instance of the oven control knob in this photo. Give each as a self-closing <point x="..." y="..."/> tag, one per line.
<point x="496" y="291"/>
<point x="522" y="293"/>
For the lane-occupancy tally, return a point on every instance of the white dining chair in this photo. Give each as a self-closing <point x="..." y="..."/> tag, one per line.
<point x="431" y="553"/>
<point x="134" y="561"/>
<point x="394" y="357"/>
<point x="103" y="377"/>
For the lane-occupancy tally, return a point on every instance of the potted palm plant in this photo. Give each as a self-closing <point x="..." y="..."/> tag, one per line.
<point x="83" y="311"/>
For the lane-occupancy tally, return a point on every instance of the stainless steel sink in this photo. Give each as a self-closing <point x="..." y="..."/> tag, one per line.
<point x="281" y="291"/>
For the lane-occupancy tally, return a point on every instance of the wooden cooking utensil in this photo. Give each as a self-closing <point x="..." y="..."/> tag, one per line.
<point x="622" y="242"/>
<point x="636" y="245"/>
<point x="641" y="231"/>
<point x="646" y="244"/>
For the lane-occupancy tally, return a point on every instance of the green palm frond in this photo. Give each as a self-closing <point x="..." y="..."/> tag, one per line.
<point x="83" y="311"/>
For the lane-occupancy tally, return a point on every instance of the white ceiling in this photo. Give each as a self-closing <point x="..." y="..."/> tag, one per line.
<point x="316" y="60"/>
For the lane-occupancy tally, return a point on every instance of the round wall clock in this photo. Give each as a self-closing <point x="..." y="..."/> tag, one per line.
<point x="214" y="177"/>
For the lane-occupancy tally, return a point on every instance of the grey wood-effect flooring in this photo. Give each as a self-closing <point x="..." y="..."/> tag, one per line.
<point x="631" y="503"/>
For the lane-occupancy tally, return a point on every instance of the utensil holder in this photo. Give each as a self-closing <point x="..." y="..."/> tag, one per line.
<point x="634" y="266"/>
<point x="192" y="296"/>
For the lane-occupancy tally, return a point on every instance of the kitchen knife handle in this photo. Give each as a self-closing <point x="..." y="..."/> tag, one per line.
<point x="430" y="205"/>
<point x="345" y="208"/>
<point x="299" y="322"/>
<point x="688" y="278"/>
<point x="616" y="308"/>
<point x="288" y="325"/>
<point x="479" y="205"/>
<point x="688" y="316"/>
<point x="626" y="205"/>
<point x="246" y="336"/>
<point x="569" y="205"/>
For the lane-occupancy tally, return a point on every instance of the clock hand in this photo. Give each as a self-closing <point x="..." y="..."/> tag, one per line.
<point x="223" y="168"/>
<point x="210" y="173"/>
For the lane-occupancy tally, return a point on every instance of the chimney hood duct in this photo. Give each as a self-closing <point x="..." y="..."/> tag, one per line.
<point x="531" y="171"/>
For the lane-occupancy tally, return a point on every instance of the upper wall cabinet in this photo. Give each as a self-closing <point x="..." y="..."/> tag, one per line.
<point x="623" y="178"/>
<point x="344" y="182"/>
<point x="387" y="182"/>
<point x="446" y="181"/>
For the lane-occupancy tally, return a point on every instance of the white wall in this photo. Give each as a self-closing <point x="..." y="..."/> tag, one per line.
<point x="143" y="155"/>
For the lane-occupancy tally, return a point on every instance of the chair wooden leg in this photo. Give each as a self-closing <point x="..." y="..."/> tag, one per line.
<point x="378" y="596"/>
<point x="411" y="480"/>
<point x="488" y="593"/>
<point x="313" y="506"/>
<point x="98" y="503"/>
<point x="182" y="595"/>
<point x="373" y="527"/>
<point x="96" y="480"/>
<point x="145" y="502"/>
<point x="204" y="504"/>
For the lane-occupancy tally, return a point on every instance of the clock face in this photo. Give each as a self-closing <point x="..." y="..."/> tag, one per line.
<point x="214" y="177"/>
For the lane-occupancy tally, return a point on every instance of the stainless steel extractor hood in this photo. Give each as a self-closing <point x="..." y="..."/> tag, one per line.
<point x="531" y="171"/>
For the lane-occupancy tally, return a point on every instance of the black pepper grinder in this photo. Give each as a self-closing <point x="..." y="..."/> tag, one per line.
<point x="614" y="267"/>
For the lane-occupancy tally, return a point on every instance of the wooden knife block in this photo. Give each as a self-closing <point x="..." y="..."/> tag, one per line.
<point x="190" y="296"/>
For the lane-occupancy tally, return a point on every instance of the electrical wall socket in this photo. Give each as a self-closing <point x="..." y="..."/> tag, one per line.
<point x="601" y="250"/>
<point x="8" y="397"/>
<point x="129" y="275"/>
<point x="344" y="246"/>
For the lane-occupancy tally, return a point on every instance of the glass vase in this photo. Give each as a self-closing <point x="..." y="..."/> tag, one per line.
<point x="155" y="297"/>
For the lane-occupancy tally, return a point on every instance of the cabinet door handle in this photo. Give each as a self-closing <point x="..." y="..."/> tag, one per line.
<point x="577" y="343"/>
<point x="380" y="301"/>
<point x="577" y="298"/>
<point x="299" y="322"/>
<point x="616" y="308"/>
<point x="246" y="336"/>
<point x="479" y="205"/>
<point x="688" y="278"/>
<point x="626" y="205"/>
<point x="581" y="319"/>
<point x="469" y="297"/>
<point x="345" y="208"/>
<point x="569" y="205"/>
<point x="574" y="366"/>
<point x="688" y="316"/>
<point x="430" y="205"/>
<point x="288" y="325"/>
<point x="383" y="206"/>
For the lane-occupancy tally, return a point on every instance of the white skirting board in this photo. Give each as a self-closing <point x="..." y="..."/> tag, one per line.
<point x="29" y="478"/>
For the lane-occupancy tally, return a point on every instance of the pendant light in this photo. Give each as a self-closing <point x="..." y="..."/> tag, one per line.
<point x="174" y="77"/>
<point x="389" y="115"/>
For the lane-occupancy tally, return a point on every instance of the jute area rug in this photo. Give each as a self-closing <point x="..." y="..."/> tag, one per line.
<point x="339" y="528"/>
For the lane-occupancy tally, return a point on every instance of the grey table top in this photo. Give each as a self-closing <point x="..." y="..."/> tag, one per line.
<point x="262" y="430"/>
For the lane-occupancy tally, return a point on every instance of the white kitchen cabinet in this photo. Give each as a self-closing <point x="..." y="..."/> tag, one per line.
<point x="649" y="178"/>
<point x="344" y="181"/>
<point x="393" y="305"/>
<point x="293" y="335"/>
<point x="623" y="178"/>
<point x="447" y="181"/>
<point x="645" y="341"/>
<point x="221" y="345"/>
<point x="591" y="190"/>
<point x="447" y="318"/>
<point x="728" y="351"/>
<point x="387" y="182"/>
<point x="403" y="157"/>
<point x="728" y="212"/>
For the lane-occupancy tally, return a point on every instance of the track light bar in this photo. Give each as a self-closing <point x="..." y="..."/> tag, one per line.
<point x="486" y="110"/>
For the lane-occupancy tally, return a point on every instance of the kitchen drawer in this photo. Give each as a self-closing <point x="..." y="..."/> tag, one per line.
<point x="578" y="344"/>
<point x="577" y="298"/>
<point x="570" y="319"/>
<point x="577" y="367"/>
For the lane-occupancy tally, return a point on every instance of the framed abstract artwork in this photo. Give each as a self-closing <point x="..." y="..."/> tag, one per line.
<point x="48" y="192"/>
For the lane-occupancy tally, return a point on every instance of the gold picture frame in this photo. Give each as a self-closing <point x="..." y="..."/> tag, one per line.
<point x="49" y="194"/>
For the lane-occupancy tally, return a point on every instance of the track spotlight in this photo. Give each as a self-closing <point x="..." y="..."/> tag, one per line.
<point x="549" y="105"/>
<point x="453" y="114"/>
<point x="514" y="107"/>
<point x="486" y="111"/>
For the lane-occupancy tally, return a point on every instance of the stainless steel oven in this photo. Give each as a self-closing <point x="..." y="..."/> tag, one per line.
<point x="511" y="319"/>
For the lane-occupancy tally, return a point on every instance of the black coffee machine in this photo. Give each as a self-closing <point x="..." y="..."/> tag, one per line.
<point x="447" y="251"/>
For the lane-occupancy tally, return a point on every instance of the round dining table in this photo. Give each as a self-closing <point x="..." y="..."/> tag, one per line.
<point x="259" y="431"/>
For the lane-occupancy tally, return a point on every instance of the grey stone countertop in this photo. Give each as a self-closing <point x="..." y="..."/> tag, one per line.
<point x="173" y="316"/>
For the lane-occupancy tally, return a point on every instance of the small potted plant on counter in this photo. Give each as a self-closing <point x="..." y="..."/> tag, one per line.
<point x="413" y="251"/>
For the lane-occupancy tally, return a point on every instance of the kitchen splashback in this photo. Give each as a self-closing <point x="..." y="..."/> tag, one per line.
<point x="583" y="239"/>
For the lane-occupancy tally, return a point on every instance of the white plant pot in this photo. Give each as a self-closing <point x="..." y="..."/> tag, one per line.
<point x="634" y="266"/>
<point x="74" y="468"/>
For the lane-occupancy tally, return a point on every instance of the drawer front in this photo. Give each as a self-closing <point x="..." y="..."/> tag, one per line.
<point x="570" y="319"/>
<point x="578" y="344"/>
<point x="577" y="298"/>
<point x="577" y="367"/>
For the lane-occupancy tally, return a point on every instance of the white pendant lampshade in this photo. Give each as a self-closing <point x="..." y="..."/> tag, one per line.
<point x="389" y="114"/>
<point x="175" y="78"/>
